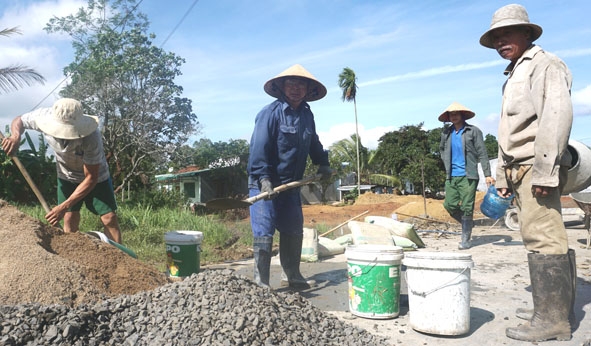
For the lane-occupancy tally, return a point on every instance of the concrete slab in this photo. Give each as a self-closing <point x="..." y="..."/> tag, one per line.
<point x="499" y="285"/>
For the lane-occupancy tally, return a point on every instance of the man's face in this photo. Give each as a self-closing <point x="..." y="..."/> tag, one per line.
<point x="295" y="89"/>
<point x="510" y="42"/>
<point x="456" y="118"/>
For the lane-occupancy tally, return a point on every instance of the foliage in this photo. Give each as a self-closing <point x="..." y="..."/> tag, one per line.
<point x="412" y="154"/>
<point x="15" y="77"/>
<point x="492" y="146"/>
<point x="38" y="164"/>
<point x="207" y="154"/>
<point x="121" y="77"/>
<point x="348" y="84"/>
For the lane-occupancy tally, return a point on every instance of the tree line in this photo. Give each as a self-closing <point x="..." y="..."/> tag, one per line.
<point x="121" y="77"/>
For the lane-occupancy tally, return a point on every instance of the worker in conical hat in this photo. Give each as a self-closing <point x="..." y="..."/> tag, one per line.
<point x="284" y="136"/>
<point x="462" y="148"/>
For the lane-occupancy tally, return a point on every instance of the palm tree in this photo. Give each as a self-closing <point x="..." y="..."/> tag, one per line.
<point x="348" y="84"/>
<point x="15" y="77"/>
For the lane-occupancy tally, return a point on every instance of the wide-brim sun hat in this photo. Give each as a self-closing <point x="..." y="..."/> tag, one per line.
<point x="316" y="90"/>
<point x="456" y="107"/>
<point x="67" y="120"/>
<point x="510" y="15"/>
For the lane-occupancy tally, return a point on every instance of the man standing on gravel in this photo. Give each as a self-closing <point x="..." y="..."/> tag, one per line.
<point x="462" y="148"/>
<point x="534" y="129"/>
<point x="283" y="138"/>
<point x="83" y="174"/>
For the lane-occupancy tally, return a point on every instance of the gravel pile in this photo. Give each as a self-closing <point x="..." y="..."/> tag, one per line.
<point x="214" y="307"/>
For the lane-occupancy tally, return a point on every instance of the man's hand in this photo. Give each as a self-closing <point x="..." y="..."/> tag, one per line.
<point x="10" y="145"/>
<point x="541" y="191"/>
<point x="55" y="215"/>
<point x="267" y="186"/>
<point x="325" y="172"/>
<point x="490" y="181"/>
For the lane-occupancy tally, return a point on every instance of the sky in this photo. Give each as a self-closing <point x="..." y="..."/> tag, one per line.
<point x="412" y="58"/>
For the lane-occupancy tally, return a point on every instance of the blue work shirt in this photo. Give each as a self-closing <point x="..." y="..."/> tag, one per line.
<point x="458" y="161"/>
<point x="281" y="142"/>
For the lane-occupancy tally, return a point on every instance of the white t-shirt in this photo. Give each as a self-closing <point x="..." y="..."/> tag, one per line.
<point x="71" y="155"/>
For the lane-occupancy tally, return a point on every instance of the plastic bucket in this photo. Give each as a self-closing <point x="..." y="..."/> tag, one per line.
<point x="183" y="250"/>
<point x="493" y="205"/>
<point x="374" y="280"/>
<point x="439" y="292"/>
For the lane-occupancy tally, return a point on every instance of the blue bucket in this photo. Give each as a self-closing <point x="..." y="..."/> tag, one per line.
<point x="493" y="205"/>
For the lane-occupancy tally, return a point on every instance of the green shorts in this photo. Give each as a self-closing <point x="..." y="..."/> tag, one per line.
<point x="100" y="201"/>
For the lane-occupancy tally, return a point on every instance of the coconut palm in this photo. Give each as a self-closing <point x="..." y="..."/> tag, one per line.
<point x="348" y="84"/>
<point x="15" y="77"/>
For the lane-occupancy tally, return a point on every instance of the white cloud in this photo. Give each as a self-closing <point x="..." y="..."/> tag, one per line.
<point x="582" y="101"/>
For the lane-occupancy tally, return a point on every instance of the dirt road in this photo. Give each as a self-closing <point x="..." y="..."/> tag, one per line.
<point x="499" y="285"/>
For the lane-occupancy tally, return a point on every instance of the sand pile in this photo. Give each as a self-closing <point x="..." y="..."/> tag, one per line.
<point x="39" y="263"/>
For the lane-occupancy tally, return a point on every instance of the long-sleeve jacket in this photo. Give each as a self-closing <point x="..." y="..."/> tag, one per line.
<point x="281" y="142"/>
<point x="536" y="117"/>
<point x="473" y="148"/>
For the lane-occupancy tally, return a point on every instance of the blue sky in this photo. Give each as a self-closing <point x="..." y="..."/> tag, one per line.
<point x="412" y="58"/>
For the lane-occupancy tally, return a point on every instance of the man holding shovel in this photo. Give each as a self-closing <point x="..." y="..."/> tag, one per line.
<point x="283" y="137"/>
<point x="83" y="174"/>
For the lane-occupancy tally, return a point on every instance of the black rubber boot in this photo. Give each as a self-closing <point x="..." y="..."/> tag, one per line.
<point x="527" y="314"/>
<point x="262" y="247"/>
<point x="552" y="292"/>
<point x="467" y="224"/>
<point x="457" y="215"/>
<point x="290" y="255"/>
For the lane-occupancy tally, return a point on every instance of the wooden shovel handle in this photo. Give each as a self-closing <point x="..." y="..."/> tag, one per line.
<point x="28" y="178"/>
<point x="284" y="187"/>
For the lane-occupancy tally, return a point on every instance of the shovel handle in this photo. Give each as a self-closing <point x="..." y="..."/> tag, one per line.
<point x="284" y="187"/>
<point x="28" y="178"/>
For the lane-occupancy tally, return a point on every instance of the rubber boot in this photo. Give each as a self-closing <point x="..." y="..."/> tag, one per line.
<point x="290" y="255"/>
<point x="527" y="314"/>
<point x="457" y="215"/>
<point x="552" y="292"/>
<point x="467" y="224"/>
<point x="262" y="247"/>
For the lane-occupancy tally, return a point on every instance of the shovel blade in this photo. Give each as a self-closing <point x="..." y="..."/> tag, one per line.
<point x="226" y="204"/>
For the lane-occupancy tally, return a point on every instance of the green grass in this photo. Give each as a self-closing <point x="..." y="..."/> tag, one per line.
<point x="143" y="230"/>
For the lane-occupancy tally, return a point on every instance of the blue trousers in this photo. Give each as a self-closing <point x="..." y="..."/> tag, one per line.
<point x="283" y="213"/>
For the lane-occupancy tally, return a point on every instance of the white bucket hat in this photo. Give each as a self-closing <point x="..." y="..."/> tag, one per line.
<point x="67" y="120"/>
<point x="456" y="107"/>
<point x="316" y="90"/>
<point x="510" y="15"/>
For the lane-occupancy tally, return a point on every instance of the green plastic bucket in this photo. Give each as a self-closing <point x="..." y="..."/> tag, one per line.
<point x="183" y="250"/>
<point x="374" y="280"/>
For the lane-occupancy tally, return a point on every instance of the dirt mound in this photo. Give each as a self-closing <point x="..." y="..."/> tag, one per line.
<point x="39" y="263"/>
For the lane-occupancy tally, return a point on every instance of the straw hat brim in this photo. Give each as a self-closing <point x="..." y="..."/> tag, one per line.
<point x="486" y="39"/>
<point x="84" y="126"/>
<point x="444" y="117"/>
<point x="457" y="108"/>
<point x="316" y="90"/>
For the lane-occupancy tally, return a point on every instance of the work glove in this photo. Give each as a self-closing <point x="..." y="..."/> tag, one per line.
<point x="267" y="186"/>
<point x="325" y="172"/>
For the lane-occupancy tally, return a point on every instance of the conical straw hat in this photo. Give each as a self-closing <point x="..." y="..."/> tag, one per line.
<point x="456" y="107"/>
<point x="316" y="90"/>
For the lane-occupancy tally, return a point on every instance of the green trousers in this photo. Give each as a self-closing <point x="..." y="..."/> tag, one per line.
<point x="460" y="193"/>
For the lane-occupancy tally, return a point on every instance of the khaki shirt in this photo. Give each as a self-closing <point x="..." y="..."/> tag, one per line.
<point x="536" y="117"/>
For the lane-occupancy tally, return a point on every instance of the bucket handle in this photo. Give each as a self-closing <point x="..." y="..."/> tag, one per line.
<point x="424" y="294"/>
<point x="372" y="263"/>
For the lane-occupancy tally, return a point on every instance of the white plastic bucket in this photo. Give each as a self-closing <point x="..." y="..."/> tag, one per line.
<point x="374" y="280"/>
<point x="183" y="250"/>
<point x="439" y="292"/>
